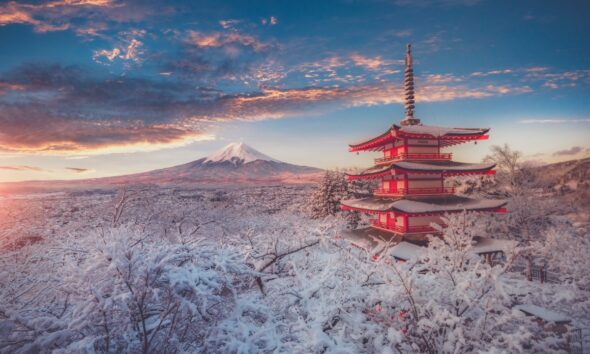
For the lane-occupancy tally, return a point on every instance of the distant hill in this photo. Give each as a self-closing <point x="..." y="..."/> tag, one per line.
<point x="235" y="164"/>
<point x="567" y="175"/>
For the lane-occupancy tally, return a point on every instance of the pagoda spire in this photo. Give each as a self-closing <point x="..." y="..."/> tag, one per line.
<point x="409" y="90"/>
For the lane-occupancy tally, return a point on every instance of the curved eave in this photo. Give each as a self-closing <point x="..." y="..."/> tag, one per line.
<point x="417" y="208"/>
<point x="397" y="170"/>
<point x="452" y="136"/>
<point x="374" y="144"/>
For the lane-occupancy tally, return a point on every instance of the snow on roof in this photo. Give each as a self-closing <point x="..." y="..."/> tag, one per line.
<point x="238" y="152"/>
<point x="436" y="131"/>
<point x="487" y="245"/>
<point x="451" y="203"/>
<point x="543" y="313"/>
<point x="434" y="166"/>
<point x="370" y="203"/>
<point x="406" y="251"/>
<point x="370" y="239"/>
<point x="417" y="206"/>
<point x="443" y="166"/>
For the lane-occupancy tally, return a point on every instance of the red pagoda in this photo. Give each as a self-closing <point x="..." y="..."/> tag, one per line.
<point x="412" y="193"/>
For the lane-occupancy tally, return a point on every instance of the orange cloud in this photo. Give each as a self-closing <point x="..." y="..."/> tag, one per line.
<point x="373" y="63"/>
<point x="47" y="16"/>
<point x="218" y="39"/>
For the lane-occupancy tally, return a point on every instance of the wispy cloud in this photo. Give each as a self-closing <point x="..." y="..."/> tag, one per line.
<point x="79" y="170"/>
<point x="554" y="121"/>
<point x="85" y="17"/>
<point x="227" y="24"/>
<point x="574" y="150"/>
<point x="22" y="168"/>
<point x="221" y="39"/>
<point x="271" y="21"/>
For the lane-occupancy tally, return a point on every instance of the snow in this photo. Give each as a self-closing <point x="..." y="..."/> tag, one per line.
<point x="451" y="203"/>
<point x="238" y="152"/>
<point x="486" y="245"/>
<point x="406" y="251"/>
<point x="543" y="313"/>
<point x="443" y="166"/>
<point x="434" y="166"/>
<point x="370" y="239"/>
<point x="441" y="131"/>
<point x="371" y="203"/>
<point x="435" y="131"/>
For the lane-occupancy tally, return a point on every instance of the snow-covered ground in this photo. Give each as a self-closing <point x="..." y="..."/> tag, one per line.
<point x="246" y="270"/>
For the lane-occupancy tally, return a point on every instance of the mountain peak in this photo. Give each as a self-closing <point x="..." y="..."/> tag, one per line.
<point x="237" y="153"/>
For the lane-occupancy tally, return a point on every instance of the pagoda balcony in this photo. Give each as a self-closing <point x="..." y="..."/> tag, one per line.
<point x="413" y="191"/>
<point x="407" y="156"/>
<point x="418" y="229"/>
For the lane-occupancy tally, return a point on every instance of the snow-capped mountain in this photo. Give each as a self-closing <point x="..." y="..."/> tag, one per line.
<point x="237" y="154"/>
<point x="235" y="164"/>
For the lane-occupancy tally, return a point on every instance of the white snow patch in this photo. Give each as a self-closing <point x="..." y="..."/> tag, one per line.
<point x="543" y="313"/>
<point x="235" y="152"/>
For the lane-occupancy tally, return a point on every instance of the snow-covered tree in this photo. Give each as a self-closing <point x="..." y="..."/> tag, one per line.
<point x="325" y="200"/>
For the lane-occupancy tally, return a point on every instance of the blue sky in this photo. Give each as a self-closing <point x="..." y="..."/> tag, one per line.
<point x="92" y="88"/>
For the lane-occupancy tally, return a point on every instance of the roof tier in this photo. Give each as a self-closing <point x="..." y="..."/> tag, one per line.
<point x="422" y="206"/>
<point x="447" y="136"/>
<point x="447" y="168"/>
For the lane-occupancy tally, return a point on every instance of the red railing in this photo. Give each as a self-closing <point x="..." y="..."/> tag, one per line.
<point x="415" y="191"/>
<point x="410" y="156"/>
<point x="401" y="229"/>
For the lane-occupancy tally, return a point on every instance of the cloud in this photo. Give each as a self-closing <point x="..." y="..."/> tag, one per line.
<point x="271" y="21"/>
<point x="66" y="110"/>
<point x="574" y="150"/>
<point x="227" y="24"/>
<point x="371" y="63"/>
<point x="222" y="39"/>
<point x="22" y="168"/>
<point x="79" y="170"/>
<point x="131" y="53"/>
<point x="554" y="121"/>
<point x="403" y="33"/>
<point x="493" y="72"/>
<point x="85" y="17"/>
<point x="108" y="54"/>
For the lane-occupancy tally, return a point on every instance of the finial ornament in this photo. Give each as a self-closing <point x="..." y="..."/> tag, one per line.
<point x="409" y="90"/>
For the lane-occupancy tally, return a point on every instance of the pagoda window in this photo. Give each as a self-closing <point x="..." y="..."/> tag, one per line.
<point x="425" y="220"/>
<point x="424" y="183"/>
<point x="422" y="149"/>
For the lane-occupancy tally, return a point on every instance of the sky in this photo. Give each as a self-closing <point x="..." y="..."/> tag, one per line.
<point x="93" y="88"/>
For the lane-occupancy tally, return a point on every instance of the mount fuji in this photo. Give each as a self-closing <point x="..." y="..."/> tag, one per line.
<point x="235" y="164"/>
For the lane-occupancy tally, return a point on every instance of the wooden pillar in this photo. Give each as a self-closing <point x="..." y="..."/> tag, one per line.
<point x="406" y="225"/>
<point x="406" y="183"/>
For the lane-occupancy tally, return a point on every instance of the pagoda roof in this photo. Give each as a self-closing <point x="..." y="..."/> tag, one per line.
<point x="404" y="167"/>
<point x="484" y="245"/>
<point x="481" y="245"/>
<point x="448" y="136"/>
<point x="370" y="239"/>
<point x="422" y="205"/>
